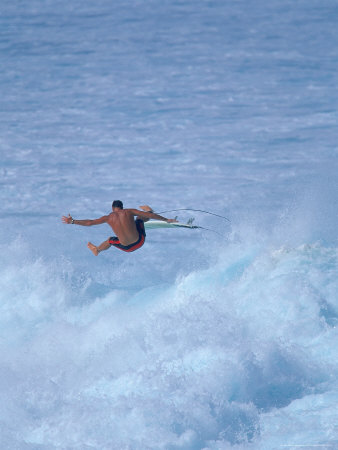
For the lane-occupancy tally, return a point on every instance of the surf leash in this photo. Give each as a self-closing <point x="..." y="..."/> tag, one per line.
<point x="207" y="229"/>
<point x="197" y="210"/>
<point x="195" y="227"/>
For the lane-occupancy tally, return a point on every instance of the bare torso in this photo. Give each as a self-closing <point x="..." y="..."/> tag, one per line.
<point x="123" y="225"/>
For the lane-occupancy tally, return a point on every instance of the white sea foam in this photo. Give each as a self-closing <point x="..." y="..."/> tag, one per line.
<point x="221" y="357"/>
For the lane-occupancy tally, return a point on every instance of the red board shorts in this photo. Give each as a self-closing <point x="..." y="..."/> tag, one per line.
<point x="131" y="247"/>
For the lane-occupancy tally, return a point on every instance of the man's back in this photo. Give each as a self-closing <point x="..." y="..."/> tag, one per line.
<point x="123" y="223"/>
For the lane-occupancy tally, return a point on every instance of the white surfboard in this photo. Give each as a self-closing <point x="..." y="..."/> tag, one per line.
<point x="153" y="224"/>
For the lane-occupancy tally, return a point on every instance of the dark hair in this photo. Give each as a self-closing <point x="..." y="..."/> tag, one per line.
<point x="117" y="204"/>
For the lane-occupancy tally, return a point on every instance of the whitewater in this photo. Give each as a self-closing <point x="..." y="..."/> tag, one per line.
<point x="223" y="339"/>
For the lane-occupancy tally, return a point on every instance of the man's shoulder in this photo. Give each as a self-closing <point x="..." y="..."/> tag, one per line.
<point x="131" y="211"/>
<point x="122" y="213"/>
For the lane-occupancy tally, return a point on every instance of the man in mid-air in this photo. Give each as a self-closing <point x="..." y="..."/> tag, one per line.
<point x="130" y="233"/>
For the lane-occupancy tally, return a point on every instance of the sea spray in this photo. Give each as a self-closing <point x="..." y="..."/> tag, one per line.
<point x="204" y="362"/>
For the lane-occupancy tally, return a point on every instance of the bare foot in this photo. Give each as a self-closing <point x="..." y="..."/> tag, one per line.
<point x="93" y="248"/>
<point x="146" y="208"/>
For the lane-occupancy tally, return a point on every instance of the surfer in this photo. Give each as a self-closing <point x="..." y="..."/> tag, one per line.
<point x="130" y="233"/>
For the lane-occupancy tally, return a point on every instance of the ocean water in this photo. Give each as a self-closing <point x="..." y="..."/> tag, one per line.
<point x="221" y="339"/>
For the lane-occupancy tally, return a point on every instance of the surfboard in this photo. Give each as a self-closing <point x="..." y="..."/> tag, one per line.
<point x="155" y="224"/>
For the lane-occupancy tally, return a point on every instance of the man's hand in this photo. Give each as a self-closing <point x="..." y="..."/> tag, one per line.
<point x="172" y="221"/>
<point x="67" y="219"/>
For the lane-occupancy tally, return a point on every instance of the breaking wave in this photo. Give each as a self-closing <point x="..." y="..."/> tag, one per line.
<point x="232" y="355"/>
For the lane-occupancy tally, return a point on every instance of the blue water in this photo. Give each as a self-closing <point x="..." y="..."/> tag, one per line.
<point x="199" y="340"/>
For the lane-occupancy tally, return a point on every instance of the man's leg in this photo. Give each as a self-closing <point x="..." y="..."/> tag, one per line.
<point x="96" y="250"/>
<point x="145" y="208"/>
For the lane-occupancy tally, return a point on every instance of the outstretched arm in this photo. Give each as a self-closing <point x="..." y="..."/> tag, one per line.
<point x="86" y="222"/>
<point x="151" y="215"/>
